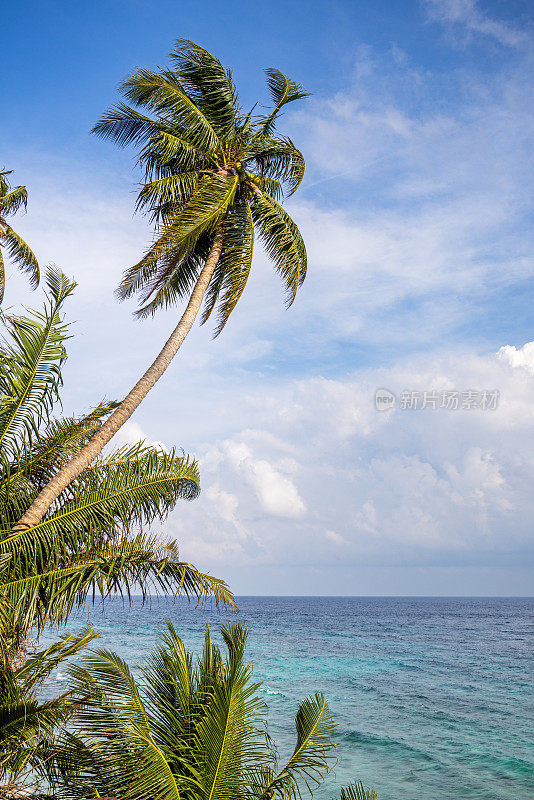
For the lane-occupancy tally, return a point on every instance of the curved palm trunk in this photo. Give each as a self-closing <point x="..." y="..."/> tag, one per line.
<point x="122" y="414"/>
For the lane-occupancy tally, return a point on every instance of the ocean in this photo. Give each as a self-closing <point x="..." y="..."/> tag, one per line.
<point x="432" y="696"/>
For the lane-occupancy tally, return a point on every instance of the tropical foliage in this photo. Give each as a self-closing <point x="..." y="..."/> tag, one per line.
<point x="356" y="791"/>
<point x="209" y="166"/>
<point x="28" y="726"/>
<point x="189" y="729"/>
<point x="11" y="200"/>
<point x="93" y="539"/>
<point x="213" y="176"/>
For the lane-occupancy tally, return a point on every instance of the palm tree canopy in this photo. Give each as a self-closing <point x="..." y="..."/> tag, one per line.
<point x="27" y="724"/>
<point x="208" y="166"/>
<point x="93" y="538"/>
<point x="11" y="200"/>
<point x="190" y="729"/>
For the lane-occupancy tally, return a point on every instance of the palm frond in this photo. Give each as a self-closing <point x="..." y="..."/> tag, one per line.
<point x="38" y="666"/>
<point x="282" y="240"/>
<point x="11" y="201"/>
<point x="283" y="90"/>
<point x="171" y="190"/>
<point x="277" y="158"/>
<point x="162" y="93"/>
<point x="230" y="736"/>
<point x="135" y="485"/>
<point x="2" y="276"/>
<point x="313" y="751"/>
<point x="174" y="277"/>
<point x="30" y="372"/>
<point x="21" y="253"/>
<point x="126" y="564"/>
<point x="125" y="125"/>
<point x="356" y="791"/>
<point x="208" y="84"/>
<point x="27" y="725"/>
<point x="59" y="441"/>
<point x="200" y="214"/>
<point x="111" y="686"/>
<point x="168" y="149"/>
<point x="234" y="266"/>
<point x="189" y="728"/>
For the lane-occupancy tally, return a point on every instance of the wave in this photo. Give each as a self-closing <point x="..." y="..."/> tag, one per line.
<point x="387" y="743"/>
<point x="266" y="690"/>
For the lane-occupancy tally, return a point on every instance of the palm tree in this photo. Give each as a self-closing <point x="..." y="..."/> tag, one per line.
<point x="28" y="725"/>
<point x="189" y="729"/>
<point x="356" y="791"/>
<point x="213" y="176"/>
<point x="92" y="540"/>
<point x="21" y="253"/>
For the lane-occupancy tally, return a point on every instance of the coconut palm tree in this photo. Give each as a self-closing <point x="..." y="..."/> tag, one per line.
<point x="189" y="729"/>
<point x="214" y="175"/>
<point x="92" y="540"/>
<point x="20" y="252"/>
<point x="28" y="725"/>
<point x="356" y="791"/>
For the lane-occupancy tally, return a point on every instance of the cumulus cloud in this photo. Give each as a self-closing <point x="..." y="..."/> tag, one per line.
<point x="132" y="433"/>
<point x="276" y="493"/>
<point x="363" y="487"/>
<point x="518" y="357"/>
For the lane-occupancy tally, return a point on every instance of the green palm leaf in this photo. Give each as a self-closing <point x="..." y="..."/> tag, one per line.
<point x="201" y="213"/>
<point x="163" y="94"/>
<point x="277" y="159"/>
<point x="157" y="195"/>
<point x="37" y="667"/>
<point x="174" y="277"/>
<point x="139" y="563"/>
<point x="282" y="240"/>
<point x="59" y="441"/>
<point x="11" y="200"/>
<point x="234" y="267"/>
<point x="208" y="84"/>
<point x="135" y="485"/>
<point x="283" y="90"/>
<point x="30" y="369"/>
<point x="22" y="254"/>
<point x="356" y="791"/>
<point x="313" y="751"/>
<point x="27" y="724"/>
<point x="166" y="150"/>
<point x="189" y="728"/>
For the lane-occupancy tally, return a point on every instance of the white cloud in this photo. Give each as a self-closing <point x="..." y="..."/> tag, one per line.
<point x="336" y="538"/>
<point x="468" y="15"/>
<point x="519" y="357"/>
<point x="333" y="481"/>
<point x="132" y="433"/>
<point x="276" y="493"/>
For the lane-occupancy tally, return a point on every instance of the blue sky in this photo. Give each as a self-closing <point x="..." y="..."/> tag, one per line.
<point x="417" y="213"/>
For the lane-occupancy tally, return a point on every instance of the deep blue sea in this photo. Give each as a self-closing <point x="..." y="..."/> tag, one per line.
<point x="433" y="696"/>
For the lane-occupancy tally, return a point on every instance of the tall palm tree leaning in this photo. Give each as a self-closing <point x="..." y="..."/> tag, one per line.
<point x="213" y="174"/>
<point x="20" y="252"/>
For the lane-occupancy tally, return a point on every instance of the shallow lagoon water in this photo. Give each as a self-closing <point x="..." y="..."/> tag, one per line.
<point x="433" y="696"/>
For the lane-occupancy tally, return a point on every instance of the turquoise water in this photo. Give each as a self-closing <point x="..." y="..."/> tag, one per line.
<point x="433" y="697"/>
